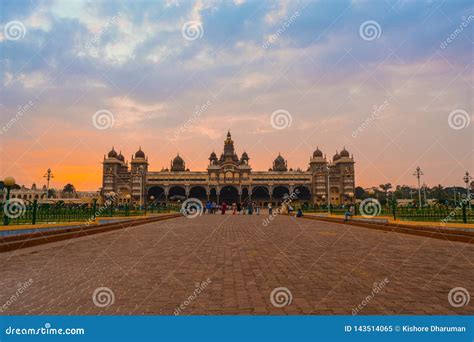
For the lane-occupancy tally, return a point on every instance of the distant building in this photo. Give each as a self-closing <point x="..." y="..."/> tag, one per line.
<point x="27" y="194"/>
<point x="229" y="178"/>
<point x="41" y="195"/>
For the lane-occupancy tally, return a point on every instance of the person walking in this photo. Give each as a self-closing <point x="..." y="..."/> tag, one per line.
<point x="223" y="208"/>
<point x="234" y="208"/>
<point x="213" y="207"/>
<point x="209" y="207"/>
<point x="270" y="209"/>
<point x="257" y="209"/>
<point x="249" y="208"/>
<point x="239" y="207"/>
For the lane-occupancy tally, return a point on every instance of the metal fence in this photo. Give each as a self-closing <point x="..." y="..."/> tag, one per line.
<point x="39" y="213"/>
<point x="445" y="214"/>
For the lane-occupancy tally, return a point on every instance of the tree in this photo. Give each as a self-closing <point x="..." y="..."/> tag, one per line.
<point x="360" y="193"/>
<point x="69" y="190"/>
<point x="385" y="187"/>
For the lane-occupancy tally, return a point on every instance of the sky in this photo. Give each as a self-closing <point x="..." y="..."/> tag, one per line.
<point x="392" y="81"/>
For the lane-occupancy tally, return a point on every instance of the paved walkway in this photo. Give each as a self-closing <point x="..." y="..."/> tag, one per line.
<point x="217" y="264"/>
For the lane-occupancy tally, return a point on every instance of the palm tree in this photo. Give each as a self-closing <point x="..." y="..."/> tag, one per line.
<point x="385" y="187"/>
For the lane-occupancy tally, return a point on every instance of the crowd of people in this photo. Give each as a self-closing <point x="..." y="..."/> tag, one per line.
<point x="246" y="208"/>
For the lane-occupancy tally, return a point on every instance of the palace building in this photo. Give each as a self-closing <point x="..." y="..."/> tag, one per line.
<point x="230" y="179"/>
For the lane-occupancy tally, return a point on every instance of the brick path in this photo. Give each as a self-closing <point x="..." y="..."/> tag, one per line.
<point x="153" y="269"/>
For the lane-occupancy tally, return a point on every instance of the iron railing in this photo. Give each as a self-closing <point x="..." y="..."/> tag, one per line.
<point x="46" y="213"/>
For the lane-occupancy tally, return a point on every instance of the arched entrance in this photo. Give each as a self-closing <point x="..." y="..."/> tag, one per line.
<point x="158" y="194"/>
<point x="279" y="193"/>
<point x="198" y="192"/>
<point x="213" y="195"/>
<point x="303" y="193"/>
<point x="229" y="194"/>
<point x="245" y="195"/>
<point x="261" y="195"/>
<point x="177" y="193"/>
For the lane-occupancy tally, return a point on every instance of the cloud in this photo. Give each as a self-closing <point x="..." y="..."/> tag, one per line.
<point x="131" y="58"/>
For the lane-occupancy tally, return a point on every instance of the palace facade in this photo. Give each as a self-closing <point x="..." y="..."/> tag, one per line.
<point x="229" y="179"/>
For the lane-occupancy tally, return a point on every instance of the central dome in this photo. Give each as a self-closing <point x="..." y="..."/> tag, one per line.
<point x="177" y="164"/>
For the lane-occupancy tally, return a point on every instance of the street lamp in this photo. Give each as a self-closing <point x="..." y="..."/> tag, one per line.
<point x="418" y="173"/>
<point x="128" y="197"/>
<point x="371" y="194"/>
<point x="48" y="175"/>
<point x="328" y="169"/>
<point x="141" y="170"/>
<point x="424" y="193"/>
<point x="8" y="182"/>
<point x="152" y="198"/>
<point x="467" y="177"/>
<point x="351" y="197"/>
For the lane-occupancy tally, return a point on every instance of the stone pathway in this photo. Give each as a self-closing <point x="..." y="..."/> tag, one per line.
<point x="216" y="264"/>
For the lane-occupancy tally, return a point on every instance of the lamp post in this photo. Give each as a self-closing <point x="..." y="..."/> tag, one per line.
<point x="351" y="197"/>
<point x="8" y="182"/>
<point x="371" y="194"/>
<point x="152" y="202"/>
<point x="141" y="170"/>
<point x="128" y="197"/>
<point x="328" y="169"/>
<point x="454" y="188"/>
<point x="48" y="175"/>
<point x="351" y="200"/>
<point x="467" y="177"/>
<point x="111" y="199"/>
<point x="418" y="173"/>
<point x="424" y="194"/>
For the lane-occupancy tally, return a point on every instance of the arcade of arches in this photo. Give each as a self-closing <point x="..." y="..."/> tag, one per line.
<point x="230" y="194"/>
<point x="230" y="178"/>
